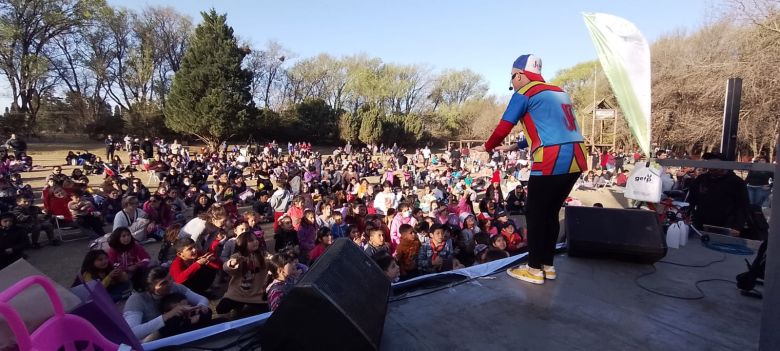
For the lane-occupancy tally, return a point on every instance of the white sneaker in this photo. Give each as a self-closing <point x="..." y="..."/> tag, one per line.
<point x="549" y="272"/>
<point x="526" y="274"/>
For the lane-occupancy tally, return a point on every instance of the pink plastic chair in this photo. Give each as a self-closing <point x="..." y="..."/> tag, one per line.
<point x="61" y="332"/>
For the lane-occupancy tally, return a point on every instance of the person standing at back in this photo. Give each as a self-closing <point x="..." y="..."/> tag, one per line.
<point x="559" y="157"/>
<point x="17" y="144"/>
<point x="110" y="146"/>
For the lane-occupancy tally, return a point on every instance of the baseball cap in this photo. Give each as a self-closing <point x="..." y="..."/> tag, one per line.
<point x="501" y="213"/>
<point x="531" y="66"/>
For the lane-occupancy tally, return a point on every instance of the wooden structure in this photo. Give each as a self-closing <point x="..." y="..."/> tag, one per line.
<point x="601" y="132"/>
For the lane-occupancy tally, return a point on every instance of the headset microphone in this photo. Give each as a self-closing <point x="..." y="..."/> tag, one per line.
<point x="510" y="88"/>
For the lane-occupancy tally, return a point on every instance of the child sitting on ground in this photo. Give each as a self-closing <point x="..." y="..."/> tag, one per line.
<point x="13" y="240"/>
<point x="253" y="220"/>
<point x="407" y="251"/>
<point x="193" y="269"/>
<point x="248" y="274"/>
<point x="84" y="213"/>
<point x="498" y="242"/>
<point x="283" y="269"/>
<point x="126" y="254"/>
<point x="96" y="266"/>
<point x="167" y="251"/>
<point x="324" y="240"/>
<point x="493" y="254"/>
<point x="357" y="237"/>
<point x="388" y="265"/>
<point x="376" y="242"/>
<point x="435" y="255"/>
<point x="515" y="243"/>
<point x="229" y="245"/>
<point x="339" y="229"/>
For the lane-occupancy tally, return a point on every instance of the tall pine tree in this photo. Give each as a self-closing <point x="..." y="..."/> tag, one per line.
<point x="210" y="96"/>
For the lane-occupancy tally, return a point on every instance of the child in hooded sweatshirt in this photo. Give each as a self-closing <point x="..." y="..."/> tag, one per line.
<point x="339" y="229"/>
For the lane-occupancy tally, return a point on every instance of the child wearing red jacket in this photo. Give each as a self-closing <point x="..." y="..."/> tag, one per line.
<point x="193" y="269"/>
<point x="515" y="242"/>
<point x="324" y="240"/>
<point x="55" y="202"/>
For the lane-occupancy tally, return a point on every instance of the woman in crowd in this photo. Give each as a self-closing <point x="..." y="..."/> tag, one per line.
<point x="133" y="218"/>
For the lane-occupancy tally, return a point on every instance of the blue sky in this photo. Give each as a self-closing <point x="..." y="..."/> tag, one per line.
<point x="484" y="36"/>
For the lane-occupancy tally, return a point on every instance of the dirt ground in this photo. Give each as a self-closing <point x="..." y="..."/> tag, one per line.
<point x="62" y="263"/>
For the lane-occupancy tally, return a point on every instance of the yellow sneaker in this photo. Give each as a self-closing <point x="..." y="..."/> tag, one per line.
<point x="549" y="272"/>
<point x="525" y="274"/>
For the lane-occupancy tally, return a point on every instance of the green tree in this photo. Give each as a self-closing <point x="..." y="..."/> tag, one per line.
<point x="210" y="96"/>
<point x="402" y="129"/>
<point x="317" y="119"/>
<point x="349" y="127"/>
<point x="370" y="124"/>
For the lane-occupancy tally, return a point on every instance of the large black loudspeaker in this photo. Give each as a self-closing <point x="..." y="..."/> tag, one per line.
<point x="339" y="304"/>
<point x="629" y="235"/>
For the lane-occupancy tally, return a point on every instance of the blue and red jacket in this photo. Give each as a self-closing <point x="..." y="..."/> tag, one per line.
<point x="549" y="125"/>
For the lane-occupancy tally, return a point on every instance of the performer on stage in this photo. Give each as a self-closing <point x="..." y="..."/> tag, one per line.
<point x="547" y="117"/>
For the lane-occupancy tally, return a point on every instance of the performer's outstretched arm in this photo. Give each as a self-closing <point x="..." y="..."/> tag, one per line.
<point x="517" y="108"/>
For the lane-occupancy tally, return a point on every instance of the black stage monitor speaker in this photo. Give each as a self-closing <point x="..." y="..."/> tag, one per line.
<point x="629" y="235"/>
<point x="339" y="304"/>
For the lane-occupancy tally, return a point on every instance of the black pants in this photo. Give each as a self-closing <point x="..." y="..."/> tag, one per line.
<point x="545" y="197"/>
<point x="36" y="228"/>
<point x="201" y="281"/>
<point x="91" y="222"/>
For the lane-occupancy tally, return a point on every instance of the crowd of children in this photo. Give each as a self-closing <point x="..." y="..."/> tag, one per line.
<point x="209" y="209"/>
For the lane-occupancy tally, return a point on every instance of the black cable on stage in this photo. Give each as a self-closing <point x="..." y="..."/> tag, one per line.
<point x="695" y="266"/>
<point x="695" y="284"/>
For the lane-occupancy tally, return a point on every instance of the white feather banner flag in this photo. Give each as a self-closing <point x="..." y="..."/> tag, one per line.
<point x="625" y="58"/>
